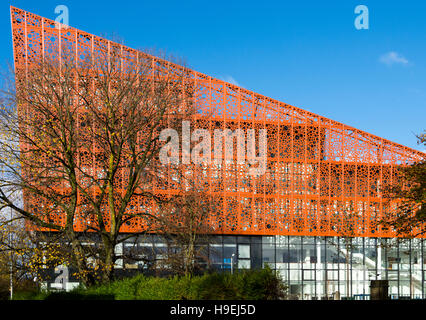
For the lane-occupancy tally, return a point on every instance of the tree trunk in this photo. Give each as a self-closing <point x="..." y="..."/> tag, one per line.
<point x="109" y="257"/>
<point x="84" y="272"/>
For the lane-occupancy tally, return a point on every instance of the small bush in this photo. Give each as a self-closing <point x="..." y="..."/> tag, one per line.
<point x="77" y="296"/>
<point x="24" y="289"/>
<point x="261" y="284"/>
<point x="29" y="295"/>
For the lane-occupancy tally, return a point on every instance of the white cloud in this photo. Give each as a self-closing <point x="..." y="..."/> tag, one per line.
<point x="230" y="79"/>
<point x="393" y="57"/>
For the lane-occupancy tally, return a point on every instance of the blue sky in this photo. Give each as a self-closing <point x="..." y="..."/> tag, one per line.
<point x="305" y="53"/>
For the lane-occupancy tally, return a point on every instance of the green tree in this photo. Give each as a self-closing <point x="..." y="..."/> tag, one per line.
<point x="408" y="217"/>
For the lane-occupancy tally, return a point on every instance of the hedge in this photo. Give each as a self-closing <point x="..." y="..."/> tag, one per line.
<point x="261" y="284"/>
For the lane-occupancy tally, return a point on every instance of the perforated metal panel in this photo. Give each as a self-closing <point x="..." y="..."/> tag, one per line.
<point x="323" y="177"/>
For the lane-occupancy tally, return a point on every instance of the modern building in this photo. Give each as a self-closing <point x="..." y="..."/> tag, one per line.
<point x="312" y="215"/>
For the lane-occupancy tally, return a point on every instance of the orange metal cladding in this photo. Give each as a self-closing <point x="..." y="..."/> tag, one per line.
<point x="319" y="171"/>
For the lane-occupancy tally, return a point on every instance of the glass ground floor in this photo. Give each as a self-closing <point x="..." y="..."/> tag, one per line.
<point x="312" y="267"/>
<point x="320" y="267"/>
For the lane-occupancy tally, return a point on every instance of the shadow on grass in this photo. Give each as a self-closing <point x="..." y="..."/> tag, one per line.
<point x="77" y="296"/>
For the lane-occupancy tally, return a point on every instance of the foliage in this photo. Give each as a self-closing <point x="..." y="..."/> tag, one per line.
<point x="409" y="217"/>
<point x="263" y="284"/>
<point x="25" y="255"/>
<point x="247" y="285"/>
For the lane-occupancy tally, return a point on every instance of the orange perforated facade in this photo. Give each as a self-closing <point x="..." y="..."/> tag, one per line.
<point x="319" y="172"/>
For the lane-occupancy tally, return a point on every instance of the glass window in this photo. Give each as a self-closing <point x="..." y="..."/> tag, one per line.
<point x="295" y="275"/>
<point x="283" y="273"/>
<point x="309" y="254"/>
<point x="415" y="254"/>
<point x="371" y="256"/>
<point x="268" y="252"/>
<point x="404" y="275"/>
<point x="392" y="275"/>
<point x="392" y="258"/>
<point x="243" y="239"/>
<point x="332" y="274"/>
<point x="202" y="254"/>
<point x="372" y="241"/>
<point x="393" y="289"/>
<point x="282" y="253"/>
<point x="268" y="240"/>
<point x="229" y="250"/>
<point x="294" y="255"/>
<point x="404" y="255"/>
<point x="268" y="256"/>
<point x="332" y="254"/>
<point x="404" y="288"/>
<point x="244" y="264"/>
<point x="308" y="290"/>
<point x="244" y="251"/>
<point x="160" y="250"/>
<point x="308" y="240"/>
<point x="346" y="242"/>
<point x="229" y="239"/>
<point x="216" y="253"/>
<point x="308" y="274"/>
<point x="256" y="239"/>
<point x="295" y="240"/>
<point x="158" y="239"/>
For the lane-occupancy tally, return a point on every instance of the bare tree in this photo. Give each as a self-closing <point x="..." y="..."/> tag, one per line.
<point x="186" y="222"/>
<point x="345" y="225"/>
<point x="81" y="142"/>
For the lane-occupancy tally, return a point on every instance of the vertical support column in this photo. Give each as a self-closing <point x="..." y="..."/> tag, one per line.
<point x="329" y="180"/>
<point x="379" y="260"/>
<point x="318" y="184"/>
<point x="411" y="269"/>
<point x="379" y="185"/>
<point x="92" y="53"/>
<point x="305" y="207"/>
<point x="291" y="172"/>
<point x="253" y="180"/>
<point x="138" y="199"/>
<point x="211" y="130"/>
<point x="345" y="212"/>
<point x="237" y="165"/>
<point x="76" y="83"/>
<point x="224" y="167"/>
<point x="422" y="263"/>
<point x="319" y="269"/>
<point x="26" y="53"/>
<point x="278" y="179"/>
<point x="264" y="175"/>
<point x="367" y="211"/>
<point x="42" y="39"/>
<point x="59" y="46"/>
<point x="392" y="165"/>
<point x="356" y="209"/>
